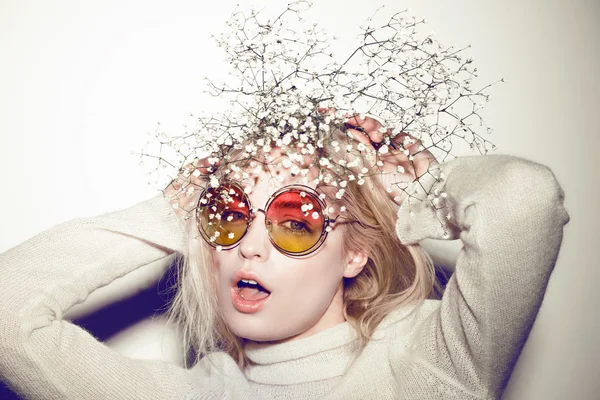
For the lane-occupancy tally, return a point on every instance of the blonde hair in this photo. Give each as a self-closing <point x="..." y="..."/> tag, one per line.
<point x="394" y="275"/>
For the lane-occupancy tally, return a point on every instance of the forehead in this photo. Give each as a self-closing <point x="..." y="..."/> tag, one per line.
<point x="261" y="185"/>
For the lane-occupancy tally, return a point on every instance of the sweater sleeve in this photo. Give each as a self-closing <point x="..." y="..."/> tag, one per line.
<point x="509" y="214"/>
<point x="44" y="356"/>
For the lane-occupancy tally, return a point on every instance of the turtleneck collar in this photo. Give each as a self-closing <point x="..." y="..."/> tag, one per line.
<point x="324" y="355"/>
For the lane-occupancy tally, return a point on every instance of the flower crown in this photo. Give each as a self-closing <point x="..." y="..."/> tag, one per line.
<point x="284" y="74"/>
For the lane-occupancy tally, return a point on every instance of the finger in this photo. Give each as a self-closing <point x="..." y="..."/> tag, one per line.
<point x="369" y="125"/>
<point x="403" y="140"/>
<point x="398" y="163"/>
<point x="412" y="159"/>
<point x="205" y="167"/>
<point x="360" y="136"/>
<point x="326" y="110"/>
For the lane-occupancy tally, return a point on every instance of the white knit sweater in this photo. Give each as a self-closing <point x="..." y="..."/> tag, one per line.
<point x="507" y="211"/>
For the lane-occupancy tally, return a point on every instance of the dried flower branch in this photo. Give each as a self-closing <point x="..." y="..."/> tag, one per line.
<point x="283" y="74"/>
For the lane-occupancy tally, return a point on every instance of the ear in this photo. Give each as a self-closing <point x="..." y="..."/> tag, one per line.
<point x="355" y="262"/>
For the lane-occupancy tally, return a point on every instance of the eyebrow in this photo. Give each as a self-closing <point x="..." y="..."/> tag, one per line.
<point x="297" y="204"/>
<point x="290" y="203"/>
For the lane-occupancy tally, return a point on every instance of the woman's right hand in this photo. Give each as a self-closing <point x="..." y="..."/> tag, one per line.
<point x="406" y="161"/>
<point x="183" y="191"/>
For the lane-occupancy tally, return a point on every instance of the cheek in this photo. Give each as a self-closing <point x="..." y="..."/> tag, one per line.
<point x="316" y="276"/>
<point x="315" y="280"/>
<point x="224" y="266"/>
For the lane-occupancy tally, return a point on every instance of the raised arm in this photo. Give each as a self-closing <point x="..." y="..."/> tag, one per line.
<point x="509" y="214"/>
<point x="44" y="356"/>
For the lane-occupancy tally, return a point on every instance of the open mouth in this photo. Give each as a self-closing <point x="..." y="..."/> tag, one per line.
<point x="250" y="290"/>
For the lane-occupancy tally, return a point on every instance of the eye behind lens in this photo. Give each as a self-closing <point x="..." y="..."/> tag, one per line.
<point x="295" y="220"/>
<point x="223" y="215"/>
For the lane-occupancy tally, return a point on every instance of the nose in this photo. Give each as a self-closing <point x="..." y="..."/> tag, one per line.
<point x="255" y="245"/>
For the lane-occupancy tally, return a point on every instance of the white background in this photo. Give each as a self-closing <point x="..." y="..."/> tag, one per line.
<point x="82" y="82"/>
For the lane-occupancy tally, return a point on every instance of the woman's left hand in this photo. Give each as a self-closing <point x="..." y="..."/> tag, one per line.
<point x="404" y="162"/>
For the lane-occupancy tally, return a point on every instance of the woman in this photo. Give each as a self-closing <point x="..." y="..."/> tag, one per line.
<point x="340" y="313"/>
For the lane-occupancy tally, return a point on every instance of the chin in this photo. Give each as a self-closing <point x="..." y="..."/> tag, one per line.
<point x="256" y="328"/>
<point x="251" y="328"/>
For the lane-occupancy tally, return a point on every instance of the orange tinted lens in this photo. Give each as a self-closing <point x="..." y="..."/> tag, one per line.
<point x="295" y="220"/>
<point x="223" y="215"/>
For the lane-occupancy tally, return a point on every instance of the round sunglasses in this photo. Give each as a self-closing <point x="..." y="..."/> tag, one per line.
<point x="296" y="218"/>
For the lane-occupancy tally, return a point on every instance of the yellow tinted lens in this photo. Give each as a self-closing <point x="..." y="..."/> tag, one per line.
<point x="295" y="221"/>
<point x="223" y="215"/>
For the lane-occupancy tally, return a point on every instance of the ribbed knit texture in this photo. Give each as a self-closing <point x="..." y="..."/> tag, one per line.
<point x="508" y="212"/>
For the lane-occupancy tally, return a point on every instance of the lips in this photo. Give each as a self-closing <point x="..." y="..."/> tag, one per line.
<point x="248" y="293"/>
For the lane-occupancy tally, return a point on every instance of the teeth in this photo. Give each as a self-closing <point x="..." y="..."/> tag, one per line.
<point x="250" y="281"/>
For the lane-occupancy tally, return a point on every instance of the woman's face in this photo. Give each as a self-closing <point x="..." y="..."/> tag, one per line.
<point x="304" y="294"/>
